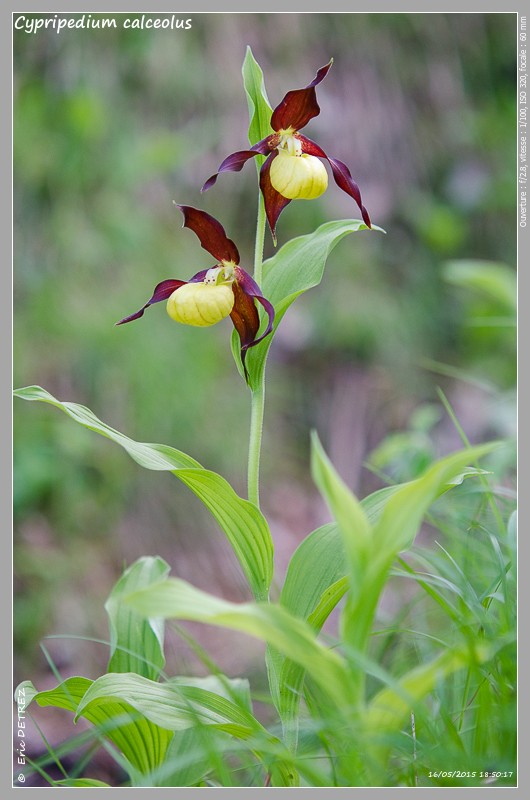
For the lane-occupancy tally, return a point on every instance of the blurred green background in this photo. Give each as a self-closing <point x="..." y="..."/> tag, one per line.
<point x="110" y="127"/>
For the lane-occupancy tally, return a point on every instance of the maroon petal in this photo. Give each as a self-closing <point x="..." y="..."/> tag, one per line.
<point x="236" y="161"/>
<point x="341" y="174"/>
<point x="210" y="233"/>
<point x="274" y="201"/>
<point x="245" y="317"/>
<point x="251" y="288"/>
<point x="245" y="313"/>
<point x="162" y="292"/>
<point x="299" y="106"/>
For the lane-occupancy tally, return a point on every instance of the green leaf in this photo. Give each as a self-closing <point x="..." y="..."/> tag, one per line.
<point x="313" y="586"/>
<point x="374" y="503"/>
<point x="347" y="511"/>
<point x="187" y="761"/>
<point x="272" y="624"/>
<point x="139" y="716"/>
<point x="183" y="703"/>
<point x="404" y="510"/>
<point x="391" y="707"/>
<point x="137" y="644"/>
<point x="356" y="534"/>
<point x="316" y="565"/>
<point x="296" y="267"/>
<point x="494" y="280"/>
<point x="244" y="525"/>
<point x="233" y="689"/>
<point x="175" y="705"/>
<point x="143" y="743"/>
<point x="315" y="577"/>
<point x="83" y="783"/>
<point x="259" y="109"/>
<point x="371" y="548"/>
<point x="316" y="580"/>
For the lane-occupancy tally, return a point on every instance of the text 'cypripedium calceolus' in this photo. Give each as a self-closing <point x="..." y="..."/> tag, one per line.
<point x="292" y="170"/>
<point x="213" y="294"/>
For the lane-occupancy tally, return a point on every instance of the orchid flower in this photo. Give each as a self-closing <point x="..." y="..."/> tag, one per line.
<point x="216" y="293"/>
<point x="292" y="170"/>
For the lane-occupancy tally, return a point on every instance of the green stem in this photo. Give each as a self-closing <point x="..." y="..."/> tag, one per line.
<point x="260" y="241"/>
<point x="258" y="393"/>
<point x="254" y="449"/>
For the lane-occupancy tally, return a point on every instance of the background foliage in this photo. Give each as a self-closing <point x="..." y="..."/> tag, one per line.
<point x="110" y="127"/>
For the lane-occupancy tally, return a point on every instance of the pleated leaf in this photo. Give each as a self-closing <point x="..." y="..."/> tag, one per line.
<point x="137" y="643"/>
<point x="272" y="624"/>
<point x="347" y="511"/>
<point x="372" y="548"/>
<point x="317" y="578"/>
<point x="245" y="527"/>
<point x="140" y="717"/>
<point x="187" y="759"/>
<point x="142" y="742"/>
<point x="187" y="703"/>
<point x="315" y="566"/>
<point x="314" y="584"/>
<point x="176" y="704"/>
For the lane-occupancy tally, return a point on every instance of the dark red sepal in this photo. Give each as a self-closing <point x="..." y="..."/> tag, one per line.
<point x="344" y="181"/>
<point x="163" y="291"/>
<point x="299" y="106"/>
<point x="245" y="313"/>
<point x="245" y="317"/>
<point x="210" y="233"/>
<point x="274" y="201"/>
<point x="236" y="161"/>
<point x="341" y="174"/>
<point x="251" y="288"/>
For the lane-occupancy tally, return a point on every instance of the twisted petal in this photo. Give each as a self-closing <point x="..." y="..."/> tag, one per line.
<point x="299" y="106"/>
<point x="251" y="288"/>
<point x="341" y="174"/>
<point x="162" y="292"/>
<point x="245" y="313"/>
<point x="274" y="201"/>
<point x="210" y="233"/>
<point x="236" y="161"/>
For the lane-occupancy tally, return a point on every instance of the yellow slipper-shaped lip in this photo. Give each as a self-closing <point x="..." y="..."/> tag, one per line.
<point x="201" y="304"/>
<point x="298" y="177"/>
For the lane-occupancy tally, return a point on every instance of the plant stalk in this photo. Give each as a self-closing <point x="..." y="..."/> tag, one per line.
<point x="257" y="408"/>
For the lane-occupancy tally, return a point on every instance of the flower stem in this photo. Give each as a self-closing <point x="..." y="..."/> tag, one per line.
<point x="260" y="240"/>
<point x="257" y="408"/>
<point x="254" y="450"/>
